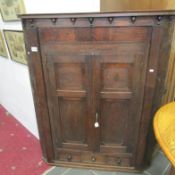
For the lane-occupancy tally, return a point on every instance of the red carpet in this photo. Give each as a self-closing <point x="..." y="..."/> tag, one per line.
<point x="20" y="152"/>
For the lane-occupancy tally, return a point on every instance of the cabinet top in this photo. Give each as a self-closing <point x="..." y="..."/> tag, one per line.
<point x="100" y="14"/>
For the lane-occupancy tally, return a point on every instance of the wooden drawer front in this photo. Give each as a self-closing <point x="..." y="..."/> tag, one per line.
<point x="106" y="160"/>
<point x="69" y="156"/>
<point x="93" y="158"/>
<point x="119" y="161"/>
<point x="90" y="158"/>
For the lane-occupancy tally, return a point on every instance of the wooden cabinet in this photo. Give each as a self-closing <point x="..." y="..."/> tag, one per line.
<point x="96" y="79"/>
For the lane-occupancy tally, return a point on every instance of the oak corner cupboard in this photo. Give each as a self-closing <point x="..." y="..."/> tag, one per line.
<point x="97" y="80"/>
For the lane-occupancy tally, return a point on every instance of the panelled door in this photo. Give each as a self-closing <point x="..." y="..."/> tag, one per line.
<point x="119" y="91"/>
<point x="95" y="81"/>
<point x="68" y="80"/>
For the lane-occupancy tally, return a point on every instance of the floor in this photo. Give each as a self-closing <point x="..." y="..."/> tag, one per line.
<point x="159" y="166"/>
<point x="20" y="152"/>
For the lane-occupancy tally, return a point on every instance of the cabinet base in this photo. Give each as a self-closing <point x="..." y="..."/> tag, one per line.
<point x="95" y="167"/>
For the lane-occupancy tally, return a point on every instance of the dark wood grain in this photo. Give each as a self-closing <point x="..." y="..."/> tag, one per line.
<point x="39" y="93"/>
<point x="164" y="52"/>
<point x="97" y="68"/>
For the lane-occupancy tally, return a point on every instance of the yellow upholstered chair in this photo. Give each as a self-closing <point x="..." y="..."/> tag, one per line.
<point x="164" y="128"/>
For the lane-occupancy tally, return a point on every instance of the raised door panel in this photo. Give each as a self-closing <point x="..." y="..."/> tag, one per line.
<point x="120" y="100"/>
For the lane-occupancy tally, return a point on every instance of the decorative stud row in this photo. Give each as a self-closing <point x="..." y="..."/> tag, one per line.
<point x="91" y="20"/>
<point x="110" y="19"/>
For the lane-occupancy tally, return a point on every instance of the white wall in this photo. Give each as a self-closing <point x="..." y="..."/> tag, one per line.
<point x="15" y="88"/>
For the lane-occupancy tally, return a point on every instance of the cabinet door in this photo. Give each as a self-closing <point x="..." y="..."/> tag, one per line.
<point x="119" y="76"/>
<point x="67" y="78"/>
<point x="120" y="80"/>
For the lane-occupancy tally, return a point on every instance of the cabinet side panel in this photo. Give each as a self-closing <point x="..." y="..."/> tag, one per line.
<point x="38" y="89"/>
<point x="153" y="87"/>
<point x="164" y="56"/>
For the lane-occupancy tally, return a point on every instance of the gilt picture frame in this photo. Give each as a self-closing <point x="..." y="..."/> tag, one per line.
<point x="11" y="8"/>
<point x="3" y="49"/>
<point x="16" y="46"/>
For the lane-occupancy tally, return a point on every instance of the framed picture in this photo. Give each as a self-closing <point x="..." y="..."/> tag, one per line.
<point x="11" y="8"/>
<point x="3" y="50"/>
<point x="15" y="43"/>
